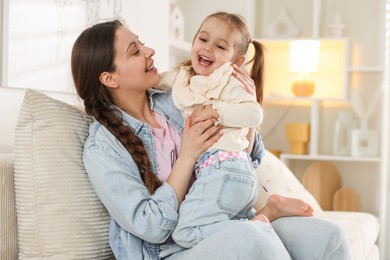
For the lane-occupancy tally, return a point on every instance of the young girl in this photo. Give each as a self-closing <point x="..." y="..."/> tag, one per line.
<point x="226" y="187"/>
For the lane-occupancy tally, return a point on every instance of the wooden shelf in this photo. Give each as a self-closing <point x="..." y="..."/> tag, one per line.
<point x="275" y="98"/>
<point x="376" y="69"/>
<point x="346" y="158"/>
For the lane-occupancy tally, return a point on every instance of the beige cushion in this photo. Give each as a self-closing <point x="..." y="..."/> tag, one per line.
<point x="362" y="231"/>
<point x="58" y="214"/>
<point x="8" y="228"/>
<point x="278" y="179"/>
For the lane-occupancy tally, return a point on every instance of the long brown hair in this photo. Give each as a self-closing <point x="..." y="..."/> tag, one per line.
<point x="235" y="22"/>
<point x="93" y="53"/>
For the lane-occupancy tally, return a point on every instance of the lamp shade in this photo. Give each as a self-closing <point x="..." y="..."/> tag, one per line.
<point x="304" y="55"/>
<point x="331" y="78"/>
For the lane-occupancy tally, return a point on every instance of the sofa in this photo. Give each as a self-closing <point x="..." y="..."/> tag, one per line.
<point x="49" y="210"/>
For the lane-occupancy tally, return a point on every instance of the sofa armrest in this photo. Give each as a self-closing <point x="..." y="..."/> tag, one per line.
<point x="8" y="225"/>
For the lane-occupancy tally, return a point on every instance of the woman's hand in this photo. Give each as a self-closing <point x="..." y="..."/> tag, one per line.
<point x="245" y="79"/>
<point x="196" y="139"/>
<point x="250" y="87"/>
<point x="203" y="113"/>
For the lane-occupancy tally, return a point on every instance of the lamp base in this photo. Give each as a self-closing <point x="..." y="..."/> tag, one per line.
<point x="303" y="87"/>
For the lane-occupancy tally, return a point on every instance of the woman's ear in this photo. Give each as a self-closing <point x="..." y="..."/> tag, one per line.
<point x="108" y="80"/>
<point x="239" y="60"/>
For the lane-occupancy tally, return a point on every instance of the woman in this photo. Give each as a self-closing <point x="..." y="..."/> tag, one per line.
<point x="114" y="75"/>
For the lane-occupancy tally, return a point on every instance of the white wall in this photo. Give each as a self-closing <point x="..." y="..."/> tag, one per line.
<point x="193" y="19"/>
<point x="149" y="24"/>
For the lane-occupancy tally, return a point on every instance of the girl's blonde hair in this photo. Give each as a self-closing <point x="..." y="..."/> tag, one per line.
<point x="235" y="23"/>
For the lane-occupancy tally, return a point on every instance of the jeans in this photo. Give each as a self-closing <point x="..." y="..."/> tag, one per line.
<point x="298" y="238"/>
<point x="222" y="195"/>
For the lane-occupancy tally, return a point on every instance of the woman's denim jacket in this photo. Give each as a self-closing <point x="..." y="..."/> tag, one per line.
<point x="139" y="221"/>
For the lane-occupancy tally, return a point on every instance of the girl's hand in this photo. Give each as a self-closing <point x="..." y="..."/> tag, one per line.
<point x="245" y="79"/>
<point x="202" y="113"/>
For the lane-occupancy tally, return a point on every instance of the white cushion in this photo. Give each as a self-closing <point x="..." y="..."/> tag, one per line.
<point x="362" y="228"/>
<point x="373" y="254"/>
<point x="58" y="214"/>
<point x="278" y="179"/>
<point x="362" y="231"/>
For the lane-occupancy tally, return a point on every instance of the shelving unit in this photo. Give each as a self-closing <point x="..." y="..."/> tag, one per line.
<point x="366" y="172"/>
<point x="315" y="107"/>
<point x="334" y="60"/>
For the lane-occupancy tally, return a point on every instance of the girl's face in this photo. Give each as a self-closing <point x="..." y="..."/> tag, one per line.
<point x="134" y="64"/>
<point x="213" y="46"/>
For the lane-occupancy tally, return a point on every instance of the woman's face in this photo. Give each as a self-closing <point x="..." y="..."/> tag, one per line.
<point x="134" y="64"/>
<point x="213" y="46"/>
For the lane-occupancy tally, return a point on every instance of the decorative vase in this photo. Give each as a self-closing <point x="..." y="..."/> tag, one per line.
<point x="298" y="135"/>
<point x="176" y="20"/>
<point x="322" y="179"/>
<point x="364" y="142"/>
<point x="342" y="133"/>
<point x="346" y="199"/>
<point x="335" y="26"/>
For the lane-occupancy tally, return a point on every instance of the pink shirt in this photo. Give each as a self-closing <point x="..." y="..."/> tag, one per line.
<point x="167" y="141"/>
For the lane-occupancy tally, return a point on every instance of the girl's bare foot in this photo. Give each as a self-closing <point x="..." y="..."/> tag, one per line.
<point x="279" y="206"/>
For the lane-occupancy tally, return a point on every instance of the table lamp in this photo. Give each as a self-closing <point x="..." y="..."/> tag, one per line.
<point x="303" y="57"/>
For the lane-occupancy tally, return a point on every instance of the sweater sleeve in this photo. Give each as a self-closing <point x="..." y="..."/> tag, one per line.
<point x="236" y="107"/>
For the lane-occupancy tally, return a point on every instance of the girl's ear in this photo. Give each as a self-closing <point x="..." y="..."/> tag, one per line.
<point x="109" y="80"/>
<point x="240" y="60"/>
